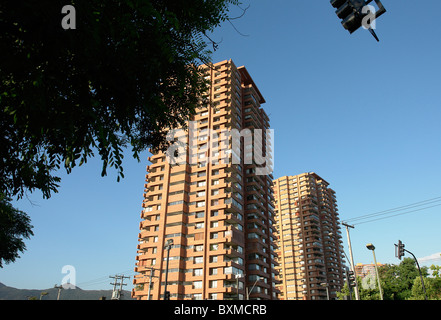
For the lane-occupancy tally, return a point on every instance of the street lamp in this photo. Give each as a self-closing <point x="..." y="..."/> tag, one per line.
<point x="325" y="284"/>
<point x="371" y="247"/>
<point x="168" y="246"/>
<point x="249" y="293"/>
<point x="238" y="276"/>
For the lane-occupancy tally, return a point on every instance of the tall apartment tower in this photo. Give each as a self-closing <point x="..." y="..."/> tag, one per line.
<point x="308" y="238"/>
<point x="217" y="212"/>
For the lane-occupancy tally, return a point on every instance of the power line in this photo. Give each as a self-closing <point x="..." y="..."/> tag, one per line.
<point x="397" y="209"/>
<point x="398" y="214"/>
<point x="103" y="279"/>
<point x="380" y="213"/>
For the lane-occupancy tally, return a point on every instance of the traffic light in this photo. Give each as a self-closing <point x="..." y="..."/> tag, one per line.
<point x="399" y="249"/>
<point x="351" y="279"/>
<point x="357" y="13"/>
<point x="167" y="295"/>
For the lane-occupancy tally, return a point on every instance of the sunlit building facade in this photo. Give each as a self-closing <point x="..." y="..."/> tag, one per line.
<point x="217" y="212"/>
<point x="308" y="238"/>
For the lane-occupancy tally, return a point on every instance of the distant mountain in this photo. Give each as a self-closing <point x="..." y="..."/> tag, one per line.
<point x="9" y="293"/>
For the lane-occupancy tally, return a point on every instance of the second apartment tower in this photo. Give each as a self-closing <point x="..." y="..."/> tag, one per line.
<point x="309" y="238"/>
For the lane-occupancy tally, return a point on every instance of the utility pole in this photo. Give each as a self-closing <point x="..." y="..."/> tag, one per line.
<point x="116" y="293"/>
<point x="348" y="297"/>
<point x="152" y="274"/>
<point x="59" y="291"/>
<point x="357" y="296"/>
<point x="168" y="247"/>
<point x="122" y="284"/>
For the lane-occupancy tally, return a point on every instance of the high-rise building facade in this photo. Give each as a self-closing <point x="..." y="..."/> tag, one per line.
<point x="209" y="214"/>
<point x="364" y="270"/>
<point x="308" y="238"/>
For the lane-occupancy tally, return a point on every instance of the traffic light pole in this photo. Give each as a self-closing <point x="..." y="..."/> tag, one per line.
<point x="348" y="297"/>
<point x="399" y="252"/>
<point x="357" y="296"/>
<point x="421" y="275"/>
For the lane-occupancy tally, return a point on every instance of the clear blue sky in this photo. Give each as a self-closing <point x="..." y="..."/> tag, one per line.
<point x="363" y="115"/>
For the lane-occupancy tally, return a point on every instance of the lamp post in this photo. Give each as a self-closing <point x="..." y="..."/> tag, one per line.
<point x="371" y="247"/>
<point x="238" y="276"/>
<point x="168" y="246"/>
<point x="326" y="285"/>
<point x="249" y="293"/>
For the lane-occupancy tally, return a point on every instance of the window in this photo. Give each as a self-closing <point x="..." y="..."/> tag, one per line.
<point x="198" y="260"/>
<point x="199" y="214"/>
<point x="200" y="193"/>
<point x="232" y="270"/>
<point x="175" y="203"/>
<point x="213" y="284"/>
<point x="254" y="266"/>
<point x="200" y="204"/>
<point x="198" y="272"/>
<point x="199" y="225"/>
<point x="197" y="284"/>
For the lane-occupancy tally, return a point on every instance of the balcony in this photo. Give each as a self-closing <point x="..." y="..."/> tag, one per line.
<point x="233" y="205"/>
<point x="233" y="253"/>
<point x="233" y="217"/>
<point x="232" y="236"/>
